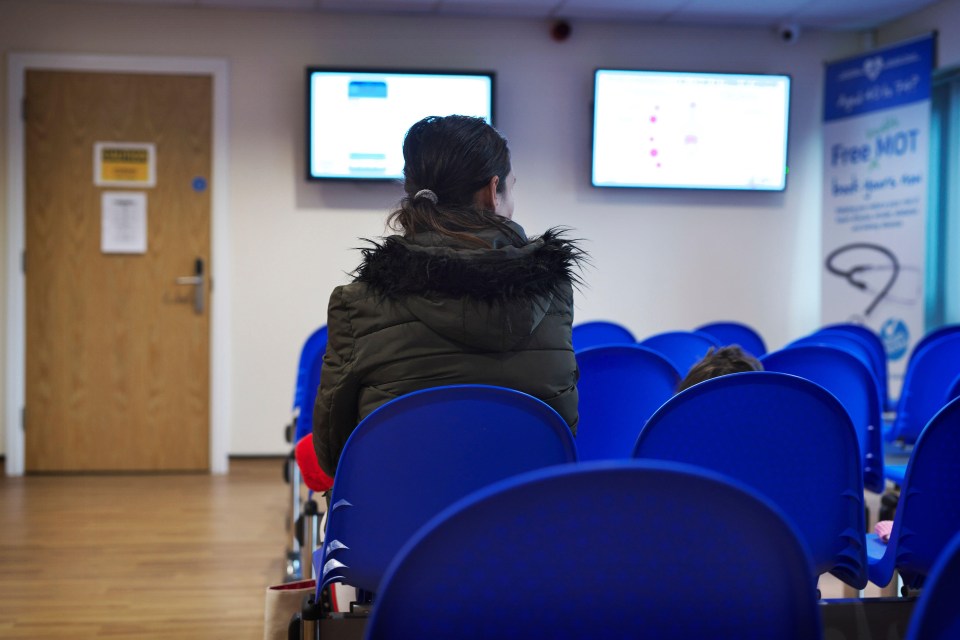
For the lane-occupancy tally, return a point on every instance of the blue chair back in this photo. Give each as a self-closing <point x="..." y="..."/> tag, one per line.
<point x="848" y="378"/>
<point x="417" y="454"/>
<point x="308" y="380"/>
<point x="936" y="616"/>
<point x="600" y="332"/>
<point x="603" y="550"/>
<point x="727" y="333"/>
<point x="847" y="342"/>
<point x="926" y="384"/>
<point x="788" y="438"/>
<point x="934" y="334"/>
<point x="927" y="514"/>
<point x="620" y="387"/>
<point x="876" y="349"/>
<point x="683" y="348"/>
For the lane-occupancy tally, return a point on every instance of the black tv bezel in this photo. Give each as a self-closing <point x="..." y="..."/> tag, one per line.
<point x="310" y="70"/>
<point x="593" y="132"/>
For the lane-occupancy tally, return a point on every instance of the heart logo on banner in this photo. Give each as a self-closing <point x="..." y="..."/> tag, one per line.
<point x="873" y="67"/>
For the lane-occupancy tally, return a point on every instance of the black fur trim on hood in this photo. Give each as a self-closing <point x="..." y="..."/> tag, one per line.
<point x="399" y="267"/>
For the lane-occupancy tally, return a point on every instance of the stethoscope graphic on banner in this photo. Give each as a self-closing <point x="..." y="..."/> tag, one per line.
<point x="854" y="275"/>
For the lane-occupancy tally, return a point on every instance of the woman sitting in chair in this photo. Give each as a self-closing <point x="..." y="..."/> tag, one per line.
<point x="460" y="296"/>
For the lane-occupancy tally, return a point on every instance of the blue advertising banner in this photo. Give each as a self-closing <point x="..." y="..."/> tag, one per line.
<point x="876" y="137"/>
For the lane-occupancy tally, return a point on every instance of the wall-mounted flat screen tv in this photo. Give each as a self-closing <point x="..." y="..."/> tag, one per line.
<point x="356" y="119"/>
<point x="680" y="130"/>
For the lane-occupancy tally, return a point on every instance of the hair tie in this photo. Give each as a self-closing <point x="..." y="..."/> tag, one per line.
<point x="426" y="193"/>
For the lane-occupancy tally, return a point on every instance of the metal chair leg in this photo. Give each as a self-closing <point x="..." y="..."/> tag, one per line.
<point x="294" y="566"/>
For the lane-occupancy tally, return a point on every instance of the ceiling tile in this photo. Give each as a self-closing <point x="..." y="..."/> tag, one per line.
<point x="528" y="8"/>
<point x="650" y="10"/>
<point x="851" y="14"/>
<point x="742" y="12"/>
<point x="259" y="4"/>
<point x="378" y="6"/>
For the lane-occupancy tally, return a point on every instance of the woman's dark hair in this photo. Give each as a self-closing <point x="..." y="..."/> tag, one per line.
<point x="454" y="157"/>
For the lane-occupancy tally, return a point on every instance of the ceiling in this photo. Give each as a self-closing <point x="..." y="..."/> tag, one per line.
<point x="817" y="14"/>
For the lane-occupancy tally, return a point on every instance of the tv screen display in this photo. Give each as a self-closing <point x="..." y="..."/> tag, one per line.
<point x="356" y="119"/>
<point x="690" y="130"/>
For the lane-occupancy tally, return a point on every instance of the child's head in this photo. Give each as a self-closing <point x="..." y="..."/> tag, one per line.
<point x="720" y="362"/>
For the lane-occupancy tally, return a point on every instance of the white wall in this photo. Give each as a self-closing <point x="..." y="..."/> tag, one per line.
<point x="943" y="17"/>
<point x="662" y="260"/>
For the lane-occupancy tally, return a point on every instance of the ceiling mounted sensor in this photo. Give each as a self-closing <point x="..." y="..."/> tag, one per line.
<point x="789" y="32"/>
<point x="560" y="30"/>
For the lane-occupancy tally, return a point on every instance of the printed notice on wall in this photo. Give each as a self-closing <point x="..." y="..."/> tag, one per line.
<point x="123" y="225"/>
<point x="124" y="164"/>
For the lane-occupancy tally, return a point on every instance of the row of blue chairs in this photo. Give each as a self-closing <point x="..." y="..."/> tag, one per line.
<point x="309" y="365"/>
<point x="438" y="445"/>
<point x="932" y="379"/>
<point x="682" y="348"/>
<point x="932" y="375"/>
<point x="918" y="399"/>
<point x="617" y="397"/>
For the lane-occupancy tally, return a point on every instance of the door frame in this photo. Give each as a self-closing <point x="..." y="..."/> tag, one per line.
<point x="15" y="388"/>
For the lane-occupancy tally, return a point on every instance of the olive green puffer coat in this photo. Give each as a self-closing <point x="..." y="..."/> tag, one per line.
<point x="425" y="312"/>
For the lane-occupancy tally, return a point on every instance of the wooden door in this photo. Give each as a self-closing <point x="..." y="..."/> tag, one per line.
<point x="117" y="352"/>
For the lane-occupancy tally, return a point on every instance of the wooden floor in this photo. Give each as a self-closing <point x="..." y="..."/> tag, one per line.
<point x="141" y="556"/>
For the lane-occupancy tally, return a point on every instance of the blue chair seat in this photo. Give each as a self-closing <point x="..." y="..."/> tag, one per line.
<point x="613" y="549"/>
<point x="927" y="385"/>
<point x="851" y="381"/>
<point x="727" y="333"/>
<point x="927" y="516"/>
<point x="936" y="616"/>
<point x="600" y="332"/>
<point x="620" y="387"/>
<point x="683" y="348"/>
<point x="788" y="438"/>
<point x="415" y="455"/>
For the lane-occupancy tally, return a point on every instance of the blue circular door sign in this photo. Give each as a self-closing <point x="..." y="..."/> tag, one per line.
<point x="199" y="184"/>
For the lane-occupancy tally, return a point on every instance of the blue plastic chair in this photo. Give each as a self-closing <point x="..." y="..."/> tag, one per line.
<point x="620" y="387"/>
<point x="683" y="348"/>
<point x="936" y="616"/>
<point x="953" y="391"/>
<point x="603" y="550"/>
<point x="727" y="333"/>
<point x="896" y="473"/>
<point x="848" y="378"/>
<point x="301" y="423"/>
<point x="927" y="514"/>
<point x="878" y="354"/>
<point x="600" y="332"/>
<point x="926" y="383"/>
<point x="308" y="381"/>
<point x="788" y="438"/>
<point x="415" y="455"/>
<point x="851" y="343"/>
<point x="933" y="334"/>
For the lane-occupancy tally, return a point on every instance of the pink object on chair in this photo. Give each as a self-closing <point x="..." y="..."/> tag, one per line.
<point x="883" y="529"/>
<point x="313" y="475"/>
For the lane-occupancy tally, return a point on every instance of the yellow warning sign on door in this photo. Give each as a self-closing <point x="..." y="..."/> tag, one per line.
<point x="124" y="164"/>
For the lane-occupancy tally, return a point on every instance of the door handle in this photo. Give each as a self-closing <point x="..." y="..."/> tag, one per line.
<point x="198" y="281"/>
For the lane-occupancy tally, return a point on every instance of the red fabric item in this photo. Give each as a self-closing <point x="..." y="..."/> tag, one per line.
<point x="313" y="475"/>
<point x="883" y="529"/>
<point x="300" y="584"/>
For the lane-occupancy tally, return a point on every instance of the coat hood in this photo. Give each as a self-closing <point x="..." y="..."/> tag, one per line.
<point x="489" y="299"/>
